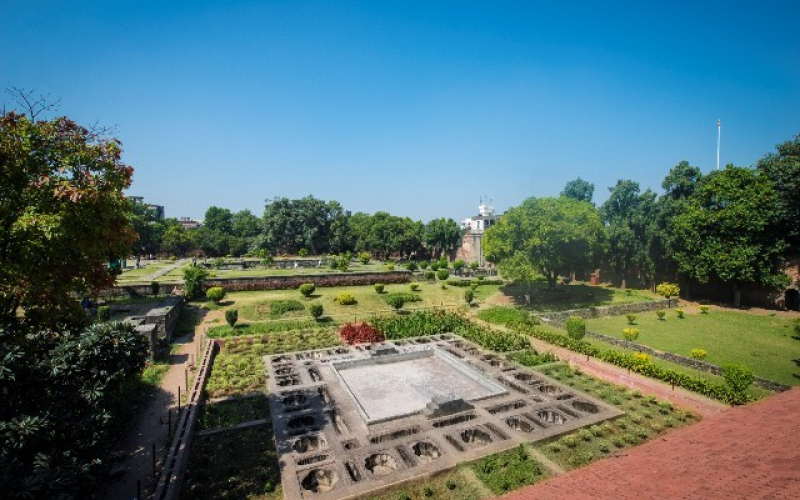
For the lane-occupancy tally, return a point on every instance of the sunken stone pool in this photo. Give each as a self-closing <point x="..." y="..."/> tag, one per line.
<point x="349" y="421"/>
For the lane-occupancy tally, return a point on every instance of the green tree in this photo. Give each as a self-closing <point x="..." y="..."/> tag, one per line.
<point x="176" y="240"/>
<point x="579" y="189"/>
<point x="218" y="219"/>
<point x="727" y="230"/>
<point x="783" y="169"/>
<point x="442" y="236"/>
<point x="551" y="234"/>
<point x="193" y="279"/>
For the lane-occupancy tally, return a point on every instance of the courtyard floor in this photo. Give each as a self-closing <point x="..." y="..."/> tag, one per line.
<point x="747" y="452"/>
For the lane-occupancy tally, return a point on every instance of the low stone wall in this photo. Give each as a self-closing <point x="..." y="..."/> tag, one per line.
<point x="292" y="282"/>
<point x="560" y="318"/>
<point x="684" y="361"/>
<point x="165" y="317"/>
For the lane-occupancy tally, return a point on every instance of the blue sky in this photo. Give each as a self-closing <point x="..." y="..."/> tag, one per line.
<point x="416" y="108"/>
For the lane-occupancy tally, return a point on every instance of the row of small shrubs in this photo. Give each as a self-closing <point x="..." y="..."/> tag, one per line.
<point x="278" y="308"/>
<point x="733" y="393"/>
<point x="532" y="357"/>
<point x="419" y="323"/>
<point x="507" y="316"/>
<point x="477" y="281"/>
<point x="500" y="341"/>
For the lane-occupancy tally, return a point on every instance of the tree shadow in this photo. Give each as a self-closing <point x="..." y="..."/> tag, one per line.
<point x="564" y="297"/>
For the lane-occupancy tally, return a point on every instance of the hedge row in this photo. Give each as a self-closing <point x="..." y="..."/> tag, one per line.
<point x="466" y="283"/>
<point x="701" y="386"/>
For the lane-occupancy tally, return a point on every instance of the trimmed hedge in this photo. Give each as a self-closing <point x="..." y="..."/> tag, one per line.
<point x="466" y="283"/>
<point x="419" y="323"/>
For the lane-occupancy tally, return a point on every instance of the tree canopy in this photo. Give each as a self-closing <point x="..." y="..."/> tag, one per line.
<point x="579" y="189"/>
<point x="554" y="235"/>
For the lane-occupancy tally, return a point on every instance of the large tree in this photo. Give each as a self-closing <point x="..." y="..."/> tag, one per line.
<point x="62" y="216"/>
<point x="727" y="230"/>
<point x="579" y="189"/>
<point x="306" y="223"/>
<point x="783" y="168"/>
<point x="554" y="235"/>
<point x="442" y="236"/>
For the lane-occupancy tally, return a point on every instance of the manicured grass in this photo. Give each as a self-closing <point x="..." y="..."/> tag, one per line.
<point x="646" y="418"/>
<point x="577" y="296"/>
<point x="234" y="464"/>
<point x="233" y="374"/>
<point x="233" y="412"/>
<point x="762" y="343"/>
<point x="133" y="274"/>
<point x="509" y="470"/>
<point x="454" y="485"/>
<point x="256" y="306"/>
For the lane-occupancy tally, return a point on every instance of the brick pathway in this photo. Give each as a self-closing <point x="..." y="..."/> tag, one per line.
<point x="748" y="452"/>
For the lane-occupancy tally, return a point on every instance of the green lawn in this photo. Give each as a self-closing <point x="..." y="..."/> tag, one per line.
<point x="577" y="296"/>
<point x="763" y="343"/>
<point x="256" y="306"/>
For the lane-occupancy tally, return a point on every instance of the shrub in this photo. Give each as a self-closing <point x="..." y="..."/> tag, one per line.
<point x="631" y="334"/>
<point x="316" y="310"/>
<point x="232" y="316"/>
<point x="631" y="319"/>
<point x="698" y="353"/>
<point x="737" y="377"/>
<point x="642" y="358"/>
<point x="103" y="314"/>
<point x="345" y="299"/>
<point x="531" y="357"/>
<point x="570" y="441"/>
<point x="442" y="274"/>
<point x="155" y="287"/>
<point x="307" y="289"/>
<point x="414" y="287"/>
<point x="419" y="323"/>
<point x="281" y="307"/>
<point x="458" y="265"/>
<point x="661" y="313"/>
<point x="424" y="264"/>
<point x="576" y="327"/>
<point x="193" y="278"/>
<point x="668" y="290"/>
<point x="508" y="316"/>
<point x="397" y="301"/>
<point x="469" y="296"/>
<point x="474" y="265"/>
<point x="704" y="309"/>
<point x="429" y="275"/>
<point x="360" y="333"/>
<point x="215" y="293"/>
<point x="303" y="252"/>
<point x="680" y="313"/>
<point x="364" y="257"/>
<point x="435" y="265"/>
<point x="379" y="287"/>
<point x="411" y="266"/>
<point x="390" y="266"/>
<point x="444" y="286"/>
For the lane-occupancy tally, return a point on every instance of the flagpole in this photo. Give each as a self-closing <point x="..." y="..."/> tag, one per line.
<point x="719" y="137"/>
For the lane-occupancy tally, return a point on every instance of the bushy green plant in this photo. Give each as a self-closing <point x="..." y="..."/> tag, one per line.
<point x="390" y="266"/>
<point x="474" y="265"/>
<point x="215" y="294"/>
<point x="631" y="334"/>
<point x="411" y="266"/>
<point x="364" y="257"/>
<point x="661" y="313"/>
<point x="435" y="265"/>
<point x="405" y="296"/>
<point x="458" y="264"/>
<point x="379" y="287"/>
<point x="576" y="327"/>
<point x="631" y="319"/>
<point x="280" y="307"/>
<point x="469" y="296"/>
<point x="232" y="316"/>
<point x="680" y="312"/>
<point x="103" y="314"/>
<point x="155" y="287"/>
<point x="704" y="309"/>
<point x="307" y="289"/>
<point x="442" y="274"/>
<point x="346" y="299"/>
<point x="193" y="278"/>
<point x="424" y="264"/>
<point x="419" y="323"/>
<point x="699" y="353"/>
<point x="316" y="310"/>
<point x="303" y="252"/>
<point x="738" y="377"/>
<point x="531" y="357"/>
<point x="668" y="290"/>
<point x="430" y="275"/>
<point x="414" y="287"/>
<point x="508" y="316"/>
<point x="395" y="300"/>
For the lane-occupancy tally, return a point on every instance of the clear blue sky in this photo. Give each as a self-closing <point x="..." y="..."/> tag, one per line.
<point x="416" y="108"/>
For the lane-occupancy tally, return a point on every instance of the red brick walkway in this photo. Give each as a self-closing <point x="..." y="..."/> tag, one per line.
<point x="749" y="452"/>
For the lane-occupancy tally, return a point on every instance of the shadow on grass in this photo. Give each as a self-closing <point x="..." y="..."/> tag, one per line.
<point x="563" y="297"/>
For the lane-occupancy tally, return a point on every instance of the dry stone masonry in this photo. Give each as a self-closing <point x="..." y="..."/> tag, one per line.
<point x="353" y="420"/>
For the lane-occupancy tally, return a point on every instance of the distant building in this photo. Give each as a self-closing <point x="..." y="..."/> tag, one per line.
<point x="188" y="223"/>
<point x="474" y="228"/>
<point x="157" y="209"/>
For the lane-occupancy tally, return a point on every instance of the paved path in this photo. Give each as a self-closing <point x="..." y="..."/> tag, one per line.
<point x="748" y="452"/>
<point x="150" y="427"/>
<point x="164" y="270"/>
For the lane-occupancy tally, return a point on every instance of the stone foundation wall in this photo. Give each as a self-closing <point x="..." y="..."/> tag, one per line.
<point x="292" y="282"/>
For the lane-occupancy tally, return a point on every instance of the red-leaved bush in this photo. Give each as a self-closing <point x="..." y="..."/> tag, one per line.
<point x="360" y="333"/>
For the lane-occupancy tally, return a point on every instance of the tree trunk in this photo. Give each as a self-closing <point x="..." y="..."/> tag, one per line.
<point x="551" y="280"/>
<point x="737" y="295"/>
